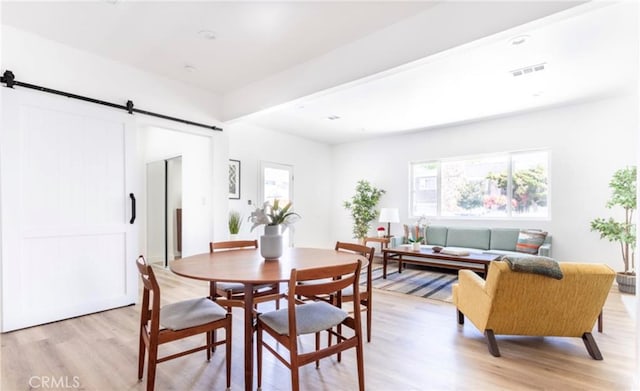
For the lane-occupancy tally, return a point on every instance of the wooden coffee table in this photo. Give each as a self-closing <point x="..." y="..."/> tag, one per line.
<point x="478" y="262"/>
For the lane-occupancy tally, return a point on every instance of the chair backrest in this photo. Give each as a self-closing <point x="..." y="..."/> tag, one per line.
<point x="367" y="252"/>
<point x="232" y="245"/>
<point x="330" y="280"/>
<point x="531" y="304"/>
<point x="150" y="294"/>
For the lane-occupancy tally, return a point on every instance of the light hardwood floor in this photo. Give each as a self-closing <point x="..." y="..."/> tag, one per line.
<point x="416" y="345"/>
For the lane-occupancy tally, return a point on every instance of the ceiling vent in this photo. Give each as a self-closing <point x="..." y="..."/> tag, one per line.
<point x="333" y="117"/>
<point x="529" y="69"/>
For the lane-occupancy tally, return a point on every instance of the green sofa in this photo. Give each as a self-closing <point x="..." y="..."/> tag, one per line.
<point x="501" y="241"/>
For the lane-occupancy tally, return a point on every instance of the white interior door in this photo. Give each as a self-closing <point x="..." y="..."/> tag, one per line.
<point x="277" y="184"/>
<point x="68" y="247"/>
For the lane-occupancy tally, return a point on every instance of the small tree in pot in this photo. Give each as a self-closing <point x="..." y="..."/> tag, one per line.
<point x="623" y="186"/>
<point x="363" y="208"/>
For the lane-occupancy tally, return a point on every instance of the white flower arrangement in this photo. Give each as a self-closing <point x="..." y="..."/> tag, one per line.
<point x="273" y="215"/>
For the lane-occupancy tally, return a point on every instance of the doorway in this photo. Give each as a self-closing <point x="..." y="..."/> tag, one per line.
<point x="164" y="210"/>
<point x="277" y="184"/>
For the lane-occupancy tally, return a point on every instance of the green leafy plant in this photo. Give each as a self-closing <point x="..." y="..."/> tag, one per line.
<point x="363" y="207"/>
<point x="623" y="186"/>
<point x="529" y="187"/>
<point x="273" y="215"/>
<point x="235" y="222"/>
<point x="470" y="195"/>
<point x="417" y="240"/>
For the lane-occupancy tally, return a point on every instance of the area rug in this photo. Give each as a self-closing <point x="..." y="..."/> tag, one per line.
<point x="415" y="280"/>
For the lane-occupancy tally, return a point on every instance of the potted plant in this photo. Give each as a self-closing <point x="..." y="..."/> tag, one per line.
<point x="235" y="222"/>
<point x="623" y="186"/>
<point x="381" y="231"/>
<point x="415" y="243"/>
<point x="275" y="219"/>
<point x="363" y="208"/>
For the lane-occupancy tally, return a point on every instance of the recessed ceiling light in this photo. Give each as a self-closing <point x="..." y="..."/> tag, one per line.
<point x="519" y="40"/>
<point x="189" y="68"/>
<point x="333" y="117"/>
<point x="207" y="34"/>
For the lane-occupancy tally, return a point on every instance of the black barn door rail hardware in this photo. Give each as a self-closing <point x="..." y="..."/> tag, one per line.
<point x="9" y="79"/>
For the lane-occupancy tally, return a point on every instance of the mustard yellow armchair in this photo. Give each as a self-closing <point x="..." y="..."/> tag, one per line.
<point x="516" y="303"/>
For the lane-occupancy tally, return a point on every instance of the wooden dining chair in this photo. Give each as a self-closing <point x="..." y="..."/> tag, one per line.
<point x="347" y="294"/>
<point x="312" y="317"/>
<point x="176" y="321"/>
<point x="365" y="295"/>
<point x="234" y="292"/>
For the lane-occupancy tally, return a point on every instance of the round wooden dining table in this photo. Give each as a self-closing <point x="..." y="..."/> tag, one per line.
<point x="247" y="266"/>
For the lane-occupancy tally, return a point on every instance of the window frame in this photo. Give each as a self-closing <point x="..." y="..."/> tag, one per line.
<point x="510" y="169"/>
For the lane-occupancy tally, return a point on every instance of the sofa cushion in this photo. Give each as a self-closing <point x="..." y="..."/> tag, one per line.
<point x="529" y="241"/>
<point x="504" y="239"/>
<point x="468" y="237"/>
<point x="437" y="235"/>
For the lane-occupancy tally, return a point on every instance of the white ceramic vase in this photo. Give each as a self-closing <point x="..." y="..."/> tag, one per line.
<point x="271" y="243"/>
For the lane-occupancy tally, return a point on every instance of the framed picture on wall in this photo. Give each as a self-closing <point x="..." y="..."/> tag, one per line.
<point x="234" y="179"/>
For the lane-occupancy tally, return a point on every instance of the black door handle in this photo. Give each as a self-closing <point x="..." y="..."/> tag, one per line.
<point x="133" y="208"/>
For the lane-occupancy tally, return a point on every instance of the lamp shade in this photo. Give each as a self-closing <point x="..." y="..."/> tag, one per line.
<point x="389" y="215"/>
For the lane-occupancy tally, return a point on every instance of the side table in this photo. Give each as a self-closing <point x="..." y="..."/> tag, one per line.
<point x="384" y="242"/>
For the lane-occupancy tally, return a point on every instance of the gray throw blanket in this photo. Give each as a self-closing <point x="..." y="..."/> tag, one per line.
<point x="544" y="266"/>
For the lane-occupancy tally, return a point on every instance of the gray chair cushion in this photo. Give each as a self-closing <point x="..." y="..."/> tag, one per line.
<point x="237" y="286"/>
<point x="468" y="237"/>
<point x="437" y="236"/>
<point x="190" y="313"/>
<point x="230" y="286"/>
<point x="504" y="239"/>
<point x="310" y="318"/>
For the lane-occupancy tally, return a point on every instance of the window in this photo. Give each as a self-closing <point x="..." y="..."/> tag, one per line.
<point x="497" y="186"/>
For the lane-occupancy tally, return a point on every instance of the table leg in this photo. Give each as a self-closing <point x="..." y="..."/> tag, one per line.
<point x="248" y="336"/>
<point x="384" y="264"/>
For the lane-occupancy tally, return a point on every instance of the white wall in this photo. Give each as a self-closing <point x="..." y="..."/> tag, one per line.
<point x="312" y="172"/>
<point x="197" y="204"/>
<point x="36" y="60"/>
<point x="588" y="142"/>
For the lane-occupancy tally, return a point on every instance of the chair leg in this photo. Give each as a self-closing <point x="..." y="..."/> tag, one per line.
<point x="600" y="322"/>
<point x="209" y="338"/>
<point x="460" y="317"/>
<point x="295" y="378"/>
<point x="227" y="348"/>
<point x="317" y="348"/>
<point x="339" y="331"/>
<point x="259" y="355"/>
<point x="141" y="354"/>
<point x="591" y="346"/>
<point x="369" y="321"/>
<point x="491" y="343"/>
<point x="151" y="366"/>
<point x="360" y="361"/>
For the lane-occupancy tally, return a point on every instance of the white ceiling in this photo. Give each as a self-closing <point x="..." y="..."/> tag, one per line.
<point x="253" y="39"/>
<point x="586" y="55"/>
<point x="588" y="51"/>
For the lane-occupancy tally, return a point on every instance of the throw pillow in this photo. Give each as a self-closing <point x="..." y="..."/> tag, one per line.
<point x="529" y="241"/>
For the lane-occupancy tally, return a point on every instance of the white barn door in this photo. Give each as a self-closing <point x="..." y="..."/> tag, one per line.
<point x="68" y="247"/>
